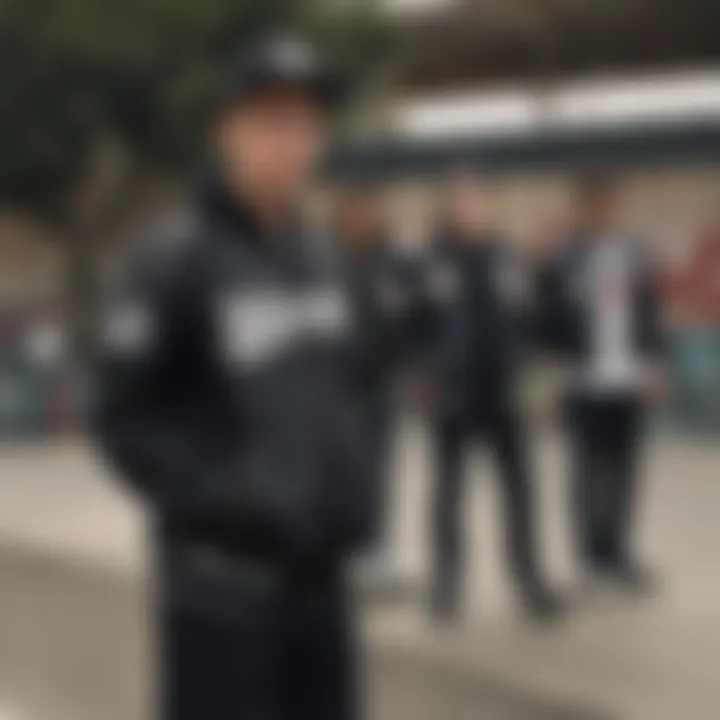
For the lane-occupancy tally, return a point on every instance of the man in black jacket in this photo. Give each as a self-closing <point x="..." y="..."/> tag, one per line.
<point x="600" y="313"/>
<point x="225" y="398"/>
<point x="482" y="305"/>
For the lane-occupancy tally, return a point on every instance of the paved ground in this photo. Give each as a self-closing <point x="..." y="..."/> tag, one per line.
<point x="75" y="635"/>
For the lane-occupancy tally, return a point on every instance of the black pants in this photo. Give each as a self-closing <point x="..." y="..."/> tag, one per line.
<point x="502" y="430"/>
<point x="606" y="436"/>
<point x="249" y="642"/>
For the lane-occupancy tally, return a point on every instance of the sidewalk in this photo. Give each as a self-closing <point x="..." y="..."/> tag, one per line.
<point x="75" y="634"/>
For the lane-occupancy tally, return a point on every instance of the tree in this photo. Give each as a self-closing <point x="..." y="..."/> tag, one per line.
<point x="87" y="81"/>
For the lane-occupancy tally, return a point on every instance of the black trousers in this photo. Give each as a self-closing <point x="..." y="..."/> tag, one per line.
<point x="250" y="642"/>
<point x="605" y="433"/>
<point x="502" y="431"/>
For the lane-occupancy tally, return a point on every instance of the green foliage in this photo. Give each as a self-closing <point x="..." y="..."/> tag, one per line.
<point x="144" y="71"/>
<point x="359" y="41"/>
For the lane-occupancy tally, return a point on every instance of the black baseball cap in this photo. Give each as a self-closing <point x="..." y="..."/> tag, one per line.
<point x="282" y="61"/>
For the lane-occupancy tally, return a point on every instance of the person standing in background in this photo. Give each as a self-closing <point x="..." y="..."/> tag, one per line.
<point x="480" y="293"/>
<point x="226" y="398"/>
<point x="600" y="314"/>
<point x="383" y="301"/>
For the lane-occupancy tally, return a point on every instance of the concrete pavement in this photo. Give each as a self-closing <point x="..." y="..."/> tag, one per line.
<point x="75" y="634"/>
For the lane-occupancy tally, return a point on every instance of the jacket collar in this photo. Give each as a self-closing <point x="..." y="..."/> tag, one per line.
<point x="220" y="205"/>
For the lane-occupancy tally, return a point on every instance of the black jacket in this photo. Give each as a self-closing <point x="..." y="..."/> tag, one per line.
<point x="224" y="389"/>
<point x="566" y="323"/>
<point x="481" y="322"/>
<point x="385" y="290"/>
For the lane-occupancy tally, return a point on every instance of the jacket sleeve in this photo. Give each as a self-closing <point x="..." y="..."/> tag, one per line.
<point x="408" y="325"/>
<point x="518" y="294"/>
<point x="433" y="291"/>
<point x="550" y="326"/>
<point x="448" y="323"/>
<point x="148" y="412"/>
<point x="653" y="329"/>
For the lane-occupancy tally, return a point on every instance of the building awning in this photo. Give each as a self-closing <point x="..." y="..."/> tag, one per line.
<point x="693" y="141"/>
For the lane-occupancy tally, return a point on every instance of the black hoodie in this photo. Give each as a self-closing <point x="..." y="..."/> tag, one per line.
<point x="482" y="322"/>
<point x="224" y="392"/>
